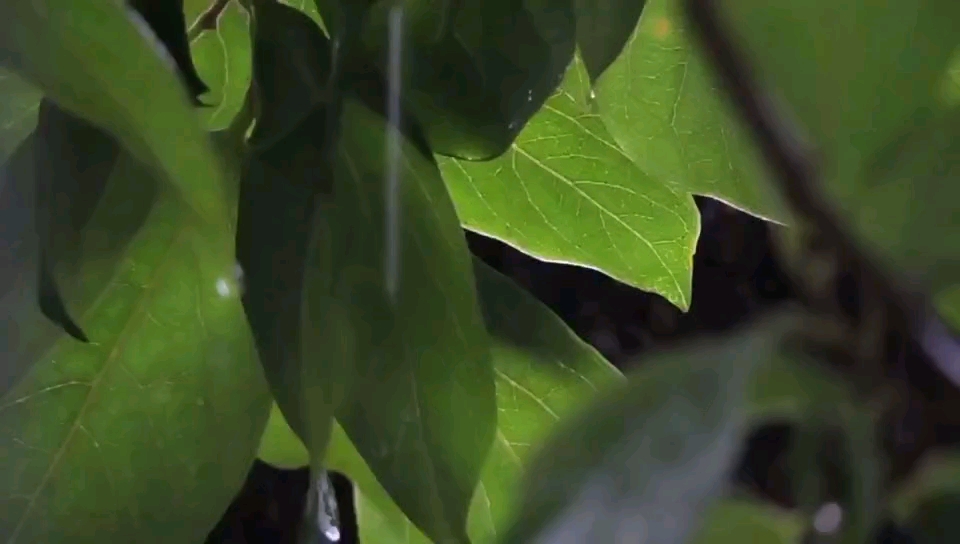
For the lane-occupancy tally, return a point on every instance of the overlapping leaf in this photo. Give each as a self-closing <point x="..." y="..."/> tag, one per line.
<point x="422" y="409"/>
<point x="18" y="111"/>
<point x="649" y="457"/>
<point x="94" y="60"/>
<point x="145" y="432"/>
<point x="661" y="105"/>
<point x="166" y="20"/>
<point x="565" y="192"/>
<point x="223" y="60"/>
<point x="603" y="29"/>
<point x="475" y="86"/>
<point x="852" y="89"/>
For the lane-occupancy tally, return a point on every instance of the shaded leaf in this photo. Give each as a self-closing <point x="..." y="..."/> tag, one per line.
<point x="565" y="192"/>
<point x="543" y="373"/>
<point x="283" y="178"/>
<point x="474" y="88"/>
<point x="223" y="60"/>
<point x="166" y="19"/>
<point x="422" y="409"/>
<point x="18" y="111"/>
<point x="147" y="432"/>
<point x="660" y="103"/>
<point x="73" y="160"/>
<point x="604" y="27"/>
<point x="908" y="200"/>
<point x="736" y="521"/>
<point x="77" y="53"/>
<point x="649" y="457"/>
<point x="852" y="87"/>
<point x="291" y="64"/>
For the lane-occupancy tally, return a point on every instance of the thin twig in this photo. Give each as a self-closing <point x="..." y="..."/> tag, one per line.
<point x="207" y="20"/>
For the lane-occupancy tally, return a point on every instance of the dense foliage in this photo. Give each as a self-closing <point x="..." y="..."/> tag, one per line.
<point x="235" y="228"/>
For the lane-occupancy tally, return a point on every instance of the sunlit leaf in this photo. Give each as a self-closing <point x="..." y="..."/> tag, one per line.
<point x="565" y="192"/>
<point x="660" y="103"/>
<point x="146" y="432"/>
<point x="223" y="59"/>
<point x="651" y="456"/>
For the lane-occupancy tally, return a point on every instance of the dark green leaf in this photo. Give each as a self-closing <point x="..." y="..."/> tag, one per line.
<point x="604" y="27"/>
<point x="422" y="409"/>
<point x="283" y="178"/>
<point x="543" y="373"/>
<point x="291" y="64"/>
<point x="73" y="160"/>
<point x="659" y="102"/>
<point x="649" y="457"/>
<point x="166" y="19"/>
<point x="146" y="432"/>
<point x="474" y="89"/>
<point x="77" y="53"/>
<point x="565" y="192"/>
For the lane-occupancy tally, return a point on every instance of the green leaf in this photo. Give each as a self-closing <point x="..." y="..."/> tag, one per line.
<point x="660" y="103"/>
<point x="146" y="432"/>
<point x="422" y="408"/>
<point x="18" y="111"/>
<point x="280" y="446"/>
<point x="77" y="53"/>
<point x="166" y="19"/>
<point x="603" y="29"/>
<point x="908" y="200"/>
<point x="291" y="63"/>
<point x="850" y="74"/>
<point x="736" y="521"/>
<point x="651" y="456"/>
<point x="543" y="374"/>
<point x="283" y="177"/>
<point x="475" y="88"/>
<point x="565" y="192"/>
<point x="223" y="60"/>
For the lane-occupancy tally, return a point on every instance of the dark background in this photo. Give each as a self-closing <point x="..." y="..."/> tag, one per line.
<point x="735" y="277"/>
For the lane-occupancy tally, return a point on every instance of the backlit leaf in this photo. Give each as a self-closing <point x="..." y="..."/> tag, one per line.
<point x="565" y="192"/>
<point x="660" y="103"/>
<point x="223" y="59"/>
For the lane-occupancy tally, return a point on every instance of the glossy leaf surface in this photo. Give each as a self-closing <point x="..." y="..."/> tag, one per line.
<point x="651" y="456"/>
<point x="422" y="408"/>
<point x="565" y="192"/>
<point x="660" y="103"/>
<point x="474" y="88"/>
<point x="145" y="432"/>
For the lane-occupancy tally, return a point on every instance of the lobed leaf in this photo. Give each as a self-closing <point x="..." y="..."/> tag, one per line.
<point x="565" y="192"/>
<point x="660" y="103"/>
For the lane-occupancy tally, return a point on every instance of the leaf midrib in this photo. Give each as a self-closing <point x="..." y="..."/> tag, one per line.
<point x="135" y="315"/>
